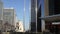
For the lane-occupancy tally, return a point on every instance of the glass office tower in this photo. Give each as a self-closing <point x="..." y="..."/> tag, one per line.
<point x="35" y="26"/>
<point x="54" y="11"/>
<point x="49" y="13"/>
<point x="54" y="7"/>
<point x="33" y="16"/>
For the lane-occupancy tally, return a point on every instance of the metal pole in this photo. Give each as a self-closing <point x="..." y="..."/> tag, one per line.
<point x="24" y="15"/>
<point x="36" y="16"/>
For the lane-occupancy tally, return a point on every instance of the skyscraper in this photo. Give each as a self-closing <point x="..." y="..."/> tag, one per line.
<point x="35" y="14"/>
<point x="51" y="15"/>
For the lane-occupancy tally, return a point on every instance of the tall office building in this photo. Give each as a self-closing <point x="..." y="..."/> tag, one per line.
<point x="33" y="15"/>
<point x="51" y="15"/>
<point x="9" y="17"/>
<point x="35" y="21"/>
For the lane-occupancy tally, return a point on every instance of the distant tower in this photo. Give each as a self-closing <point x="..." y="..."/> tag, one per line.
<point x="9" y="16"/>
<point x="35" y="14"/>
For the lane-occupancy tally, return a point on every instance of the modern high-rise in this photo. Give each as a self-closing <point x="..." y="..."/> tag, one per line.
<point x="48" y="15"/>
<point x="35" y="14"/>
<point x="9" y="17"/>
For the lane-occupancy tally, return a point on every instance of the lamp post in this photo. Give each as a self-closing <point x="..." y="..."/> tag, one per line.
<point x="30" y="16"/>
<point x="24" y="15"/>
<point x="36" y="16"/>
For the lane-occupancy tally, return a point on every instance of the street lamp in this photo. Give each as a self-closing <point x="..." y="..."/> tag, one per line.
<point x="24" y="15"/>
<point x="36" y="16"/>
<point x="30" y="16"/>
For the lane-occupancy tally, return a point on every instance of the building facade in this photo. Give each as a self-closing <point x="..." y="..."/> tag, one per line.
<point x="9" y="18"/>
<point x="33" y="16"/>
<point x="49" y="13"/>
<point x="19" y="26"/>
<point x="50" y="17"/>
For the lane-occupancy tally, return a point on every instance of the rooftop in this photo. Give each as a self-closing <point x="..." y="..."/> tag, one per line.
<point x="9" y="8"/>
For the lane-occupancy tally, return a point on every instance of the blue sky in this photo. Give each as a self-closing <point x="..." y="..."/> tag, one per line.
<point x="18" y="5"/>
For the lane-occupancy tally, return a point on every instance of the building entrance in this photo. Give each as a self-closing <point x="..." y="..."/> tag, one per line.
<point x="54" y="28"/>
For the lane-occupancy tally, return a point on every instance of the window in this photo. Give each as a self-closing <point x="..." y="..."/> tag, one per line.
<point x="18" y="27"/>
<point x="51" y="7"/>
<point x="54" y="7"/>
<point x="7" y="13"/>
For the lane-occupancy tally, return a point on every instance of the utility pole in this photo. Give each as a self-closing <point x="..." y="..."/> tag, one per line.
<point x="29" y="16"/>
<point x="36" y="16"/>
<point x="24" y="15"/>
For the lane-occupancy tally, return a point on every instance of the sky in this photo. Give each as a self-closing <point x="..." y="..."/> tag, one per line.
<point x="18" y="5"/>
